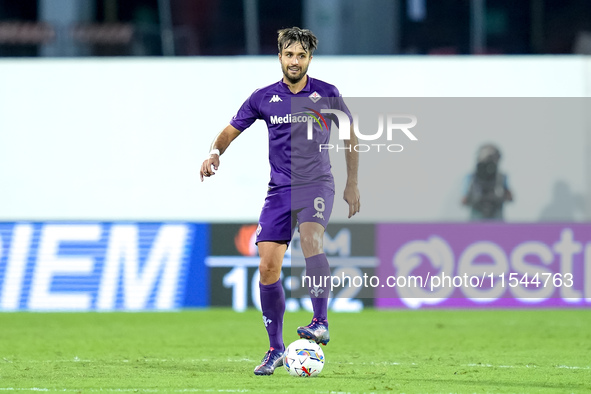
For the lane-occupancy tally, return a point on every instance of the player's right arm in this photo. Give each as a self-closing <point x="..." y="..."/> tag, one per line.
<point x="220" y="143"/>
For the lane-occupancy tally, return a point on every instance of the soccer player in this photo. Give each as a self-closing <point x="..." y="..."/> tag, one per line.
<point x="301" y="189"/>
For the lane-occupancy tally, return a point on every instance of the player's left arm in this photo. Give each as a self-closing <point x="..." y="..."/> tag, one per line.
<point x="351" y="194"/>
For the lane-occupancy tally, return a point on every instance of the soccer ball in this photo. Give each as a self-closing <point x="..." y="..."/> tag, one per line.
<point x="303" y="358"/>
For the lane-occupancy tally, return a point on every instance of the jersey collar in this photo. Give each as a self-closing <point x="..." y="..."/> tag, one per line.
<point x="305" y="89"/>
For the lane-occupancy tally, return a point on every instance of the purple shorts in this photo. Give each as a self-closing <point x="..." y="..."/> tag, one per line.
<point x="285" y="209"/>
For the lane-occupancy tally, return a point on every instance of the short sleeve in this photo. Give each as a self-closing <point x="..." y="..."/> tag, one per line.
<point x="505" y="182"/>
<point x="467" y="183"/>
<point x="246" y="115"/>
<point x="339" y="103"/>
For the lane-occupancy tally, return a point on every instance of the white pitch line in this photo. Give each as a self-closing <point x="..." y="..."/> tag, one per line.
<point x="191" y="360"/>
<point x="116" y="390"/>
<point x="567" y="367"/>
<point x="523" y="366"/>
<point x="375" y="363"/>
<point x="248" y="360"/>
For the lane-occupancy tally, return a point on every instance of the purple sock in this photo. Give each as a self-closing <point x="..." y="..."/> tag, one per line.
<point x="318" y="270"/>
<point x="273" y="306"/>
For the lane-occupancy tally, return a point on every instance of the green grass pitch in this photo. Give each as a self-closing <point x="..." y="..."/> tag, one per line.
<point x="426" y="351"/>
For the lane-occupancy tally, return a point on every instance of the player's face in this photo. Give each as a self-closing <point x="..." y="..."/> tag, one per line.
<point x="294" y="62"/>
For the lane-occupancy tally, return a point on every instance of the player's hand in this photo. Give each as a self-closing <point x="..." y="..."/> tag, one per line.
<point x="209" y="166"/>
<point x="351" y="196"/>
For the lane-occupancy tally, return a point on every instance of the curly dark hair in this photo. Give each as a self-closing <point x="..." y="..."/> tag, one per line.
<point x="294" y="34"/>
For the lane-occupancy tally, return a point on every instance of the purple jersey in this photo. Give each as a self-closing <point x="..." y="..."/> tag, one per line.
<point x="294" y="159"/>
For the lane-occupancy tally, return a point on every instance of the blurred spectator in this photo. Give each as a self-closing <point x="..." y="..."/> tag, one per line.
<point x="487" y="188"/>
<point x="565" y="205"/>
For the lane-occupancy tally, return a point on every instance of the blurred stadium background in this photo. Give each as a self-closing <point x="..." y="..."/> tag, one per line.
<point x="108" y="107"/>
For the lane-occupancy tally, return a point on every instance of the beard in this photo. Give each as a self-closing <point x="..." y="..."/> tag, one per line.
<point x="298" y="77"/>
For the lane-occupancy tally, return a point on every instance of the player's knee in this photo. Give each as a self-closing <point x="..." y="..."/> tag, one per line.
<point x="311" y="243"/>
<point x="266" y="266"/>
<point x="269" y="272"/>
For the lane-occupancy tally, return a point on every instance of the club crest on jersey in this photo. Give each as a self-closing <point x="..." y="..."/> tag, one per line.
<point x="275" y="99"/>
<point x="315" y="97"/>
